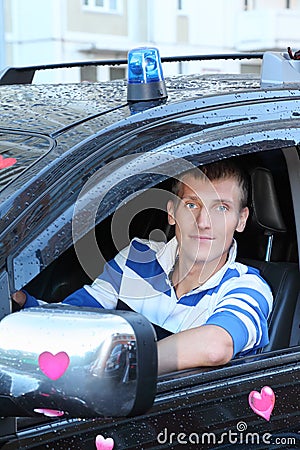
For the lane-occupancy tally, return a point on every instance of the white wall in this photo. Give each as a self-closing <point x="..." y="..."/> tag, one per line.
<point x="39" y="32"/>
<point x="2" y="37"/>
<point x="163" y="21"/>
<point x="267" y="29"/>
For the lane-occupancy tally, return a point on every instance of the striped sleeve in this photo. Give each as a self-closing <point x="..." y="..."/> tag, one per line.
<point x="243" y="310"/>
<point x="77" y="298"/>
<point x="105" y="289"/>
<point x="31" y="301"/>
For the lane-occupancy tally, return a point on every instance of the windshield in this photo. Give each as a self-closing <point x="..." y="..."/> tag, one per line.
<point x="19" y="151"/>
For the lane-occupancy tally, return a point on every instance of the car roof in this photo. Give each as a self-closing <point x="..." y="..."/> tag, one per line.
<point x="48" y="108"/>
<point x="33" y="117"/>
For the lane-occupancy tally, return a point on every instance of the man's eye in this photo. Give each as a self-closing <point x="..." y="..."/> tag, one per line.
<point x="191" y="205"/>
<point x="222" y="208"/>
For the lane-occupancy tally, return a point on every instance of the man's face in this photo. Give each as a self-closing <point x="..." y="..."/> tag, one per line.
<point x="206" y="218"/>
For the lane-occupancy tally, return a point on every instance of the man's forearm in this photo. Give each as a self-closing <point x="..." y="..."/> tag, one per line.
<point x="208" y="345"/>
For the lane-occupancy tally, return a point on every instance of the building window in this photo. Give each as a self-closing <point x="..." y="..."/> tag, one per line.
<point x="109" y="6"/>
<point x="251" y="68"/>
<point x="181" y="6"/>
<point x="88" y="73"/>
<point x="249" y="5"/>
<point x="117" y="73"/>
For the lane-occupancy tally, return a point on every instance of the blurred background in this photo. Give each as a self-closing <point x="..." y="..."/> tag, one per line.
<point x="34" y="32"/>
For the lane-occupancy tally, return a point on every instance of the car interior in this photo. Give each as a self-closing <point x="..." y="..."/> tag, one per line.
<point x="268" y="243"/>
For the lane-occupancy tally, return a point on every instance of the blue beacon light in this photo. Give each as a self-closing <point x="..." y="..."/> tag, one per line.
<point x="145" y="75"/>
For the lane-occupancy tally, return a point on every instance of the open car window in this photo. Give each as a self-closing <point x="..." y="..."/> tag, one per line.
<point x="114" y="207"/>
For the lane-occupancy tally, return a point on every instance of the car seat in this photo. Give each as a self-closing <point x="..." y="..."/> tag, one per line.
<point x="283" y="277"/>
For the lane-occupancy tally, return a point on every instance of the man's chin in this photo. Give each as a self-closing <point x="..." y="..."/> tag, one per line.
<point x="210" y="259"/>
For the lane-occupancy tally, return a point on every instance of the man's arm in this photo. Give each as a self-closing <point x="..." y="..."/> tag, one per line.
<point x="78" y="298"/>
<point x="19" y="297"/>
<point x="208" y="345"/>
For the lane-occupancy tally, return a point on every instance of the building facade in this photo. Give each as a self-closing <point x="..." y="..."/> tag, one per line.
<point x="48" y="31"/>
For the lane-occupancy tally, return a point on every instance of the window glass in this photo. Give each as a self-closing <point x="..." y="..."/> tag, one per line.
<point x="249" y="5"/>
<point x="181" y="5"/>
<point x="18" y="152"/>
<point x="113" y="4"/>
<point x="117" y="73"/>
<point x="102" y="5"/>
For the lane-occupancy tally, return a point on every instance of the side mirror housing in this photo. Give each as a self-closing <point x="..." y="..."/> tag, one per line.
<point x="76" y="362"/>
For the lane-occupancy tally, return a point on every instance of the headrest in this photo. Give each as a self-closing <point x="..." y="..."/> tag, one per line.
<point x="266" y="210"/>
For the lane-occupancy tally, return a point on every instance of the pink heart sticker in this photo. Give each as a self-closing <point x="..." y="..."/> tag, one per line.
<point x="262" y="403"/>
<point x="49" y="412"/>
<point x="6" y="162"/>
<point x="54" y="366"/>
<point x="104" y="444"/>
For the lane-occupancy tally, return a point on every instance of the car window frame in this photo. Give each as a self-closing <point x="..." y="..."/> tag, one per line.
<point x="240" y="145"/>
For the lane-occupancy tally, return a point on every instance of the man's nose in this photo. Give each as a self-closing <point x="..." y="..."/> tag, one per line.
<point x="203" y="218"/>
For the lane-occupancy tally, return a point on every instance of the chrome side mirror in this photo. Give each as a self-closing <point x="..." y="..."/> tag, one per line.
<point x="76" y="362"/>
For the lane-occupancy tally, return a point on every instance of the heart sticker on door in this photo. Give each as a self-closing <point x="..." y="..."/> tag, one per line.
<point x="104" y="444"/>
<point x="262" y="403"/>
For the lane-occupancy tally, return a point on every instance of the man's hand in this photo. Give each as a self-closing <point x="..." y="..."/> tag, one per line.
<point x="19" y="297"/>
<point x="208" y="345"/>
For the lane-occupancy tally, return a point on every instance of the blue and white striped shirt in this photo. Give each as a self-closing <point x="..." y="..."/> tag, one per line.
<point x="235" y="298"/>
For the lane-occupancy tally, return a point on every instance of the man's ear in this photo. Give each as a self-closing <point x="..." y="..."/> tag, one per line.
<point x="244" y="214"/>
<point x="171" y="212"/>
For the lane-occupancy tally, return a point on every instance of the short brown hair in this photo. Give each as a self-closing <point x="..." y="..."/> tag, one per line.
<point x="219" y="170"/>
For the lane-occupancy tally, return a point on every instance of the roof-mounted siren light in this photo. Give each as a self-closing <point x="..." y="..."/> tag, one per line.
<point x="279" y="69"/>
<point x="145" y="76"/>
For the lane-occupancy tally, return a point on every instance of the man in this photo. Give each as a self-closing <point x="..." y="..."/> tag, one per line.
<point x="192" y="286"/>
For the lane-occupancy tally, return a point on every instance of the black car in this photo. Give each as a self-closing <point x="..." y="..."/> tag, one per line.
<point x="76" y="161"/>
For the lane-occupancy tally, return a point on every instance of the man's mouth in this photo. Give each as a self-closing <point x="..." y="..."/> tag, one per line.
<point x="202" y="238"/>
